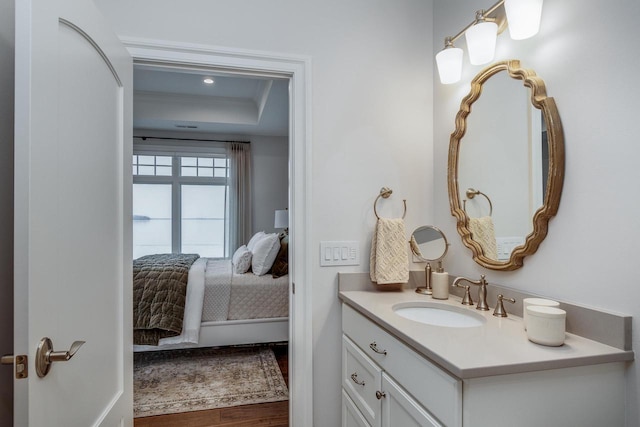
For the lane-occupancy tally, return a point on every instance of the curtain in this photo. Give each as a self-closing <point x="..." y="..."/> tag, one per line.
<point x="240" y="217"/>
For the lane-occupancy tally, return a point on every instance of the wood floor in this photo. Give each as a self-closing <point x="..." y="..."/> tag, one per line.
<point x="274" y="414"/>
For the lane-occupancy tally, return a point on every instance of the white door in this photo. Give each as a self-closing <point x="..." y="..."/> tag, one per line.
<point x="72" y="215"/>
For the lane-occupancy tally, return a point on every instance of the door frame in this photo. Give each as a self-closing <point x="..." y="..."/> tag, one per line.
<point x="298" y="70"/>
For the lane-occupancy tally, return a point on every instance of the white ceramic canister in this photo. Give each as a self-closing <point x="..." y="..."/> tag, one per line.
<point x="536" y="301"/>
<point x="440" y="285"/>
<point x="546" y="325"/>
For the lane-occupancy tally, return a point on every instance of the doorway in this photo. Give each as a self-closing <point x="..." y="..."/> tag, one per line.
<point x="296" y="70"/>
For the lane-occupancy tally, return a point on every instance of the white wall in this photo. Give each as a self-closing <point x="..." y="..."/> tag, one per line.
<point x="270" y="163"/>
<point x="371" y="112"/>
<point x="586" y="53"/>
<point x="6" y="206"/>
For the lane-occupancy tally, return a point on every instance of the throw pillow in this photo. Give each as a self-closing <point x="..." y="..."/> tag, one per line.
<point x="281" y="264"/>
<point x="255" y="239"/>
<point x="264" y="253"/>
<point x="241" y="260"/>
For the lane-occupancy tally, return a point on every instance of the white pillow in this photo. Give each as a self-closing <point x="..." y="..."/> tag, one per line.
<point x="255" y="239"/>
<point x="264" y="253"/>
<point x="241" y="260"/>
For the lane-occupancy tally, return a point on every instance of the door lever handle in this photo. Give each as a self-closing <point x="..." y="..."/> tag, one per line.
<point x="63" y="356"/>
<point x="45" y="355"/>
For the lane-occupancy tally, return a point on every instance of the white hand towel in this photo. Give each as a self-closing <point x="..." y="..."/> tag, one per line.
<point x="482" y="231"/>
<point x="389" y="261"/>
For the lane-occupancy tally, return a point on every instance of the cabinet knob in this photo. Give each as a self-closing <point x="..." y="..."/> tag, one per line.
<point x="380" y="394"/>
<point x="375" y="348"/>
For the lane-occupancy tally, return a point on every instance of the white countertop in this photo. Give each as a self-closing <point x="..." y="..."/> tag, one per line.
<point x="499" y="346"/>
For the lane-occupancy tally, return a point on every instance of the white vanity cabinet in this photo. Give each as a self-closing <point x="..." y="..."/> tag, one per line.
<point x="385" y="383"/>
<point x="372" y="398"/>
<point x="416" y="392"/>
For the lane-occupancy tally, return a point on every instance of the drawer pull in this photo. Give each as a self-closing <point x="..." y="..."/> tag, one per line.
<point x="354" y="377"/>
<point x="380" y="394"/>
<point x="374" y="347"/>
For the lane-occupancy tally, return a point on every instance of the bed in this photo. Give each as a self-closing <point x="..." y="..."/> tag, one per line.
<point x="225" y="307"/>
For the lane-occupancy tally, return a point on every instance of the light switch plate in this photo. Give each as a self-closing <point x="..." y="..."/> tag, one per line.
<point x="339" y="253"/>
<point x="505" y="246"/>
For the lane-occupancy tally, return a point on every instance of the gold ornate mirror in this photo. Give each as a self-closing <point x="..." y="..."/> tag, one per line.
<point x="506" y="165"/>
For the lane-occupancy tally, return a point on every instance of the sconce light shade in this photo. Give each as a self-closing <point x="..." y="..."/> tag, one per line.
<point x="449" y="62"/>
<point x="281" y="219"/>
<point x="523" y="17"/>
<point x="481" y="42"/>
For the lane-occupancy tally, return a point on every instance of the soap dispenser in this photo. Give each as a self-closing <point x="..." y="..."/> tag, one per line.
<point x="440" y="283"/>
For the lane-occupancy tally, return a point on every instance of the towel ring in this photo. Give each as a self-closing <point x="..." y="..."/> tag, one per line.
<point x="385" y="192"/>
<point x="471" y="193"/>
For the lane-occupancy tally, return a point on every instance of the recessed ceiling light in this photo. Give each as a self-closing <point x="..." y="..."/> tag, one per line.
<point x="208" y="80"/>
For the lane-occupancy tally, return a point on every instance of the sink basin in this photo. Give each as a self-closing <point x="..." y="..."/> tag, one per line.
<point x="439" y="314"/>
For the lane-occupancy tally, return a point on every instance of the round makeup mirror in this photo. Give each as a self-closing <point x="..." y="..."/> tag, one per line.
<point x="428" y="243"/>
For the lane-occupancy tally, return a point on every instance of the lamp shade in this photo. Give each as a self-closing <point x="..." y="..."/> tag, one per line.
<point x="481" y="42"/>
<point x="449" y="62"/>
<point x="282" y="219"/>
<point x="523" y="17"/>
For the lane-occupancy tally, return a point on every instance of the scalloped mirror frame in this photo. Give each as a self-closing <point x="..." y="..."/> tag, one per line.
<point x="555" y="139"/>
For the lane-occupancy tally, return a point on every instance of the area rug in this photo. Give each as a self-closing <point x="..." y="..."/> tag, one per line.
<point x="169" y="382"/>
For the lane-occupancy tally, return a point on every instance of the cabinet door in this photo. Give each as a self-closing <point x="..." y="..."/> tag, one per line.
<point x="399" y="408"/>
<point x="351" y="417"/>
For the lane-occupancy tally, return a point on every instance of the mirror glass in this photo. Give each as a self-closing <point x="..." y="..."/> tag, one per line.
<point x="428" y="243"/>
<point x="505" y="133"/>
<point x="506" y="165"/>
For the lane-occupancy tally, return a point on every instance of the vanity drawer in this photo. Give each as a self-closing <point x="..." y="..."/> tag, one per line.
<point x="435" y="389"/>
<point x="361" y="378"/>
<point x="351" y="416"/>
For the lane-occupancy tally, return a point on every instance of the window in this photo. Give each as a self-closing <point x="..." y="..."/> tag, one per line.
<point x="180" y="204"/>
<point x="204" y="219"/>
<point x="152" y="222"/>
<point x="152" y="165"/>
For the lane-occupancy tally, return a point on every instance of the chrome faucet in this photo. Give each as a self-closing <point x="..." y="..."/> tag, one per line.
<point x="482" y="291"/>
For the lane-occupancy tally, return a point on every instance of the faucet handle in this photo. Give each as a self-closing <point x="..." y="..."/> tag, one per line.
<point x="500" y="311"/>
<point x="466" y="300"/>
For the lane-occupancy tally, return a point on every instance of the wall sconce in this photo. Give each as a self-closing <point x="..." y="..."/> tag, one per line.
<point x="449" y="62"/>
<point x="523" y="18"/>
<point x="481" y="39"/>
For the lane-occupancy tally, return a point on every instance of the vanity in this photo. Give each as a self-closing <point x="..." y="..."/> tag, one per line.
<point x="401" y="372"/>
<point x="417" y="357"/>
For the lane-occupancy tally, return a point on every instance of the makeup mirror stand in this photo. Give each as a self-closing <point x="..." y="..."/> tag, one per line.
<point x="428" y="244"/>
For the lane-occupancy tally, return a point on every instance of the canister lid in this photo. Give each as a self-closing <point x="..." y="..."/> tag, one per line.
<point x="548" y="312"/>
<point x="540" y="301"/>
